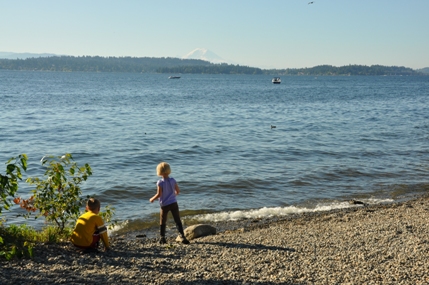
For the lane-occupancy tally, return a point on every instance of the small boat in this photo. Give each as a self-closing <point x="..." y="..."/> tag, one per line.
<point x="174" y="77"/>
<point x="276" y="80"/>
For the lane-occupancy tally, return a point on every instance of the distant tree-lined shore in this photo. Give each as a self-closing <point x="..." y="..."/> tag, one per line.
<point x="175" y="66"/>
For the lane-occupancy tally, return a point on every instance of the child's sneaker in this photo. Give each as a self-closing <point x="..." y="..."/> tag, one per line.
<point x="162" y="240"/>
<point x="185" y="241"/>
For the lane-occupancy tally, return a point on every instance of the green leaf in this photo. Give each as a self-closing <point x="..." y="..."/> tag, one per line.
<point x="24" y="163"/>
<point x="10" y="168"/>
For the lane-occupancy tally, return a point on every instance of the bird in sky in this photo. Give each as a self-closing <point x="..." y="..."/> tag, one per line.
<point x="310" y="3"/>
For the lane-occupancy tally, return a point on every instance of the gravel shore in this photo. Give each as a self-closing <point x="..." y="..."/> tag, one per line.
<point x="382" y="244"/>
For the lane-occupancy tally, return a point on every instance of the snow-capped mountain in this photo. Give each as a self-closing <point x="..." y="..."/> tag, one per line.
<point x="24" y="55"/>
<point x="204" y="54"/>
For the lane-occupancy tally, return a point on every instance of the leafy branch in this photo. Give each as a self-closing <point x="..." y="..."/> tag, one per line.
<point x="9" y="181"/>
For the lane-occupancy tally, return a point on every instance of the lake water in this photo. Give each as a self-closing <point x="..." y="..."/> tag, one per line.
<point x="336" y="139"/>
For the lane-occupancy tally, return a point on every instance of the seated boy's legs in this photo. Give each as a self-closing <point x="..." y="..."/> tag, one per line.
<point x="95" y="240"/>
<point x="93" y="246"/>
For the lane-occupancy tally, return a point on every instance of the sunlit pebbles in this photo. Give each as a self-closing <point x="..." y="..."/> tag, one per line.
<point x="378" y="244"/>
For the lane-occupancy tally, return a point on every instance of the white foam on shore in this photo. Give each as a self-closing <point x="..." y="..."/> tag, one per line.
<point x="281" y="211"/>
<point x="265" y="212"/>
<point x="114" y="228"/>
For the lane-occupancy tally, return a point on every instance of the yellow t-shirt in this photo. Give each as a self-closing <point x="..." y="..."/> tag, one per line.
<point x="86" y="226"/>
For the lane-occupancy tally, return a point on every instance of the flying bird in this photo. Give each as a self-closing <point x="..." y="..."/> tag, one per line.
<point x="310" y="3"/>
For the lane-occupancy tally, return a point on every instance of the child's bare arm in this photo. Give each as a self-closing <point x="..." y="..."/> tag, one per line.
<point x="105" y="240"/>
<point x="177" y="189"/>
<point x="158" y="194"/>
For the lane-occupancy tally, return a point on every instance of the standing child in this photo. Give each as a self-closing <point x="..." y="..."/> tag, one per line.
<point x="89" y="228"/>
<point x="167" y="190"/>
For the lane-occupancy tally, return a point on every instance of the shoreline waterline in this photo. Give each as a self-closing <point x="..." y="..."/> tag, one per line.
<point x="232" y="220"/>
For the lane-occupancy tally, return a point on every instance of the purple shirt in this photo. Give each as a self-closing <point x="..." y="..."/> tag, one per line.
<point x="168" y="191"/>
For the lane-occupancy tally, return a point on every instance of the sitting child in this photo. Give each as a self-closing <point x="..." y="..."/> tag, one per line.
<point x="89" y="228"/>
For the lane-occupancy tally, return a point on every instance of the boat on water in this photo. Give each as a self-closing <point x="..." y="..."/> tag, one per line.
<point x="276" y="80"/>
<point x="174" y="77"/>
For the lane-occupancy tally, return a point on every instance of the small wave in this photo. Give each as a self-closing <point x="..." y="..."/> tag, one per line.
<point x="266" y="212"/>
<point x="117" y="227"/>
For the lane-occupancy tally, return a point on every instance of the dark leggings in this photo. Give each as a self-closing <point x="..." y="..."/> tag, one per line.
<point x="174" y="208"/>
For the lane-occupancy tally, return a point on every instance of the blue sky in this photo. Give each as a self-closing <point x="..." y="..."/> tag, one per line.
<point x="266" y="34"/>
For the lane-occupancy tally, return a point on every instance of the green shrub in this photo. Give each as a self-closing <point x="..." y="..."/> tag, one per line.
<point x="17" y="241"/>
<point x="58" y="197"/>
<point x="107" y="215"/>
<point x="9" y="181"/>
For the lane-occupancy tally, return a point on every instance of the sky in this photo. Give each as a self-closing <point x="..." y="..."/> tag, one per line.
<point x="265" y="34"/>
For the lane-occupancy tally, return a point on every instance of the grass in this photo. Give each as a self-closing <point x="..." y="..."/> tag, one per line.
<point x="17" y="241"/>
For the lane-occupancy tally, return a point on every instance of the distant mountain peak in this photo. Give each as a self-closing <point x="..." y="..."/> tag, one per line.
<point x="204" y="54"/>
<point x="24" y="55"/>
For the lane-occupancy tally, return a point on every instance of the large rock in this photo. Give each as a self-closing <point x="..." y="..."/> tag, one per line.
<point x="197" y="231"/>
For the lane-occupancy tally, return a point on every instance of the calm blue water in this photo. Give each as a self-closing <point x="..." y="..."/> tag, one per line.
<point x="336" y="138"/>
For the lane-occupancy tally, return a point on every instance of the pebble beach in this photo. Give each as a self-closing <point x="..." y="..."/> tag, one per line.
<point x="378" y="244"/>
